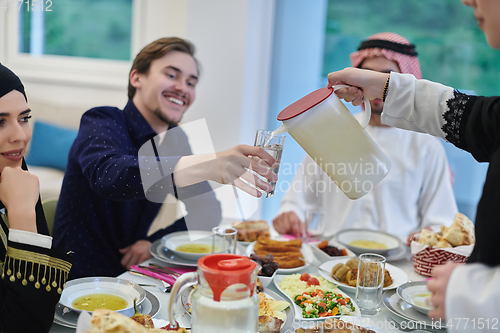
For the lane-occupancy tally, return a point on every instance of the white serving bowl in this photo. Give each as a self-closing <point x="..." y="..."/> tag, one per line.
<point x="323" y="257"/>
<point x="103" y="285"/>
<point x="266" y="280"/>
<point x="174" y="240"/>
<point x="345" y="237"/>
<point x="415" y="293"/>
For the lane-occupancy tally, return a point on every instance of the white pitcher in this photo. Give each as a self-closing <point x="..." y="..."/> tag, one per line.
<point x="336" y="141"/>
<point x="225" y="298"/>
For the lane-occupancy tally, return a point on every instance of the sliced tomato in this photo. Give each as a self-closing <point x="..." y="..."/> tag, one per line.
<point x="341" y="301"/>
<point x="313" y="281"/>
<point x="304" y="277"/>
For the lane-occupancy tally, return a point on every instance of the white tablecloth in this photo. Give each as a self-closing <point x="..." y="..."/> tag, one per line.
<point x="379" y="319"/>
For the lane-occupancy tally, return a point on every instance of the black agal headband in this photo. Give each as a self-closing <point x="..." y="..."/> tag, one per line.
<point x="385" y="44"/>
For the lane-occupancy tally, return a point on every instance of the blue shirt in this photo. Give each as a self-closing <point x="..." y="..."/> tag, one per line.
<point x="103" y="207"/>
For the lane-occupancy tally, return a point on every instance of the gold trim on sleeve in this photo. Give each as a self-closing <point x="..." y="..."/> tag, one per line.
<point x="3" y="235"/>
<point x="17" y="263"/>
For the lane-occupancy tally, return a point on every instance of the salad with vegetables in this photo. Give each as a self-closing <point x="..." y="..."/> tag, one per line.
<point x="318" y="303"/>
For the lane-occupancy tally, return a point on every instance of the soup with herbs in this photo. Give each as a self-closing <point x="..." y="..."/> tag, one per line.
<point x="92" y="302"/>
<point x="197" y="248"/>
<point x="420" y="300"/>
<point x="368" y="244"/>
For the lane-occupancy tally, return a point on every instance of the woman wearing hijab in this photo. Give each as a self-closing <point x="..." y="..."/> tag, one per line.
<point x="32" y="273"/>
<point x="467" y="296"/>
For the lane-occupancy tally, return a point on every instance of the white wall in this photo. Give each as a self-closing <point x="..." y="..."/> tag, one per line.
<point x="299" y="38"/>
<point x="233" y="41"/>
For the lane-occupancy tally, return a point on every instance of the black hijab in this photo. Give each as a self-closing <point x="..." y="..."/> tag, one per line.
<point x="8" y="82"/>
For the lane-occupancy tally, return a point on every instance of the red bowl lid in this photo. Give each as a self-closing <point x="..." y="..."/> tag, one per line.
<point x="305" y="103"/>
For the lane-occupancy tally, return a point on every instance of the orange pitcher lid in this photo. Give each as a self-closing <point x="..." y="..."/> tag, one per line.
<point x="224" y="270"/>
<point x="305" y="103"/>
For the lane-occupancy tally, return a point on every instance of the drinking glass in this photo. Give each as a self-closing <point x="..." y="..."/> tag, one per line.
<point x="224" y="240"/>
<point x="313" y="225"/>
<point x="370" y="284"/>
<point x="273" y="144"/>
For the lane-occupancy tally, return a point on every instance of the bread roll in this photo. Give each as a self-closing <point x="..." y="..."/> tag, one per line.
<point x="461" y="232"/>
<point x="428" y="237"/>
<point x="341" y="273"/>
<point x="352" y="277"/>
<point x="353" y="263"/>
<point x="443" y="244"/>
<point x="248" y="231"/>
<point x="336" y="267"/>
<point x="107" y="321"/>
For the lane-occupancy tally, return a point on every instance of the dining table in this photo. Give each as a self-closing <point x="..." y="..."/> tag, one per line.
<point x="382" y="322"/>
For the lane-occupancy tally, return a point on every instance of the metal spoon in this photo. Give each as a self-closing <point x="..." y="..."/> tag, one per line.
<point x="167" y="286"/>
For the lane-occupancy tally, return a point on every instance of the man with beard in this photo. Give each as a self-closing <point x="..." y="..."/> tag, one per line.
<point x="416" y="193"/>
<point x="105" y="208"/>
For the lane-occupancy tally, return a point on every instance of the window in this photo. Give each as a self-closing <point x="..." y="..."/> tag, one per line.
<point x="80" y="28"/>
<point x="451" y="49"/>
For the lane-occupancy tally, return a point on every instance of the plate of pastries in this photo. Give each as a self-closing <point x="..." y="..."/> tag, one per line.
<point x="249" y="230"/>
<point x="291" y="255"/>
<point x="345" y="271"/>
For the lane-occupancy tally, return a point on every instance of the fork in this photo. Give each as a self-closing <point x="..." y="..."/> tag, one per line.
<point x="165" y="290"/>
<point x="167" y="287"/>
<point x="404" y="329"/>
<point x="164" y="269"/>
<point x="161" y="270"/>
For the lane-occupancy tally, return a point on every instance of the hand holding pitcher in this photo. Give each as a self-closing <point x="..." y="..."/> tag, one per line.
<point x="335" y="140"/>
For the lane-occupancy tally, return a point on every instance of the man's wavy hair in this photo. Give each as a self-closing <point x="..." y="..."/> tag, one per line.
<point x="156" y="50"/>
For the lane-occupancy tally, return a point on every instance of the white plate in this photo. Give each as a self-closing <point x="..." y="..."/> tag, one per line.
<point x="174" y="240"/>
<point x="322" y="256"/>
<point x="289" y="311"/>
<point x="365" y="322"/>
<point x="103" y="285"/>
<point x="398" y="275"/>
<point x="185" y="297"/>
<point x="68" y="318"/>
<point x="410" y="291"/>
<point x="400" y="308"/>
<point x="306" y="251"/>
<point x="346" y="236"/>
<point x="187" y="293"/>
<point x="298" y="309"/>
<point x="401" y="252"/>
<point x="161" y="253"/>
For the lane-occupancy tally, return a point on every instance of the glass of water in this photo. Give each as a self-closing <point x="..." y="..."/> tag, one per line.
<point x="273" y="144"/>
<point x="371" y="269"/>
<point x="224" y="240"/>
<point x="313" y="224"/>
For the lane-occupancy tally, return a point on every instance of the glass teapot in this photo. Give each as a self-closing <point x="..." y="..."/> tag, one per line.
<point x="224" y="298"/>
<point x="336" y="141"/>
